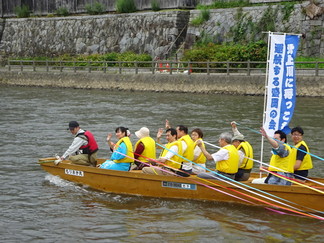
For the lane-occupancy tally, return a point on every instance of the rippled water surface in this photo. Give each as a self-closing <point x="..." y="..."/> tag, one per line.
<point x="38" y="207"/>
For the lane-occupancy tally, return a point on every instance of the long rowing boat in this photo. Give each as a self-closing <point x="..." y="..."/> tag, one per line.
<point x="136" y="183"/>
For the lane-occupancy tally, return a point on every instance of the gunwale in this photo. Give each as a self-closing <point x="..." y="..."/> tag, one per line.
<point x="172" y="187"/>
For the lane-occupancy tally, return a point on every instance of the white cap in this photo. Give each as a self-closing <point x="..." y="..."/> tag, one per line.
<point x="142" y="133"/>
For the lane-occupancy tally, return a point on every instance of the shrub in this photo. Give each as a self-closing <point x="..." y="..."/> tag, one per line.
<point x="256" y="51"/>
<point x="132" y="57"/>
<point x="62" y="11"/>
<point x="125" y="6"/>
<point x="22" y="12"/>
<point x="155" y="5"/>
<point x="96" y="8"/>
<point x="228" y="4"/>
<point x="203" y="17"/>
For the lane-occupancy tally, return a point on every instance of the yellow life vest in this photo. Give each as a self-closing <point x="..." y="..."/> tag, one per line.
<point x="174" y="157"/>
<point x="149" y="149"/>
<point x="129" y="150"/>
<point x="189" y="153"/>
<point x="201" y="159"/>
<point x="247" y="163"/>
<point x="306" y="164"/>
<point x="231" y="164"/>
<point x="286" y="164"/>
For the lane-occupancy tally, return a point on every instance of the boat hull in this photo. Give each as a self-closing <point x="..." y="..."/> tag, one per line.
<point x="137" y="183"/>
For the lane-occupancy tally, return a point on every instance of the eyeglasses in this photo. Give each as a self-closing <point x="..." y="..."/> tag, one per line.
<point x="296" y="135"/>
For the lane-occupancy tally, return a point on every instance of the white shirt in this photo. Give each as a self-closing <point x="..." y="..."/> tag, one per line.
<point x="185" y="164"/>
<point x="221" y="154"/>
<point x="171" y="152"/>
<point x="197" y="152"/>
<point x="76" y="144"/>
<point x="242" y="156"/>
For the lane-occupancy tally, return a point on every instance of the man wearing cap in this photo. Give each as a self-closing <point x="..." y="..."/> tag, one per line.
<point x="83" y="150"/>
<point x="246" y="154"/>
<point x="144" y="148"/>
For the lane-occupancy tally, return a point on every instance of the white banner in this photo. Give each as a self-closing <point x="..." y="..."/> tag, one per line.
<point x="281" y="92"/>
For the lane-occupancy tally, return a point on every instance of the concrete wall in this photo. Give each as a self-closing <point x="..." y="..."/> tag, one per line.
<point x="195" y="83"/>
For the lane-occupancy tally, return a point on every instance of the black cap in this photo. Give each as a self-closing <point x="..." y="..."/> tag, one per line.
<point x="73" y="124"/>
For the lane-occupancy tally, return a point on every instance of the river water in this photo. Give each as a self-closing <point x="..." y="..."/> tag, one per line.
<point x="38" y="207"/>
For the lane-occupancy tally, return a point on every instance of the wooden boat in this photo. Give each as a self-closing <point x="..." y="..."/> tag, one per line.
<point x="137" y="183"/>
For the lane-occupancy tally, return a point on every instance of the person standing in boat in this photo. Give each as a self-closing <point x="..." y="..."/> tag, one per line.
<point x="144" y="148"/>
<point x="169" y="156"/>
<point x="226" y="159"/>
<point x="84" y="146"/>
<point x="199" y="158"/>
<point x="303" y="161"/>
<point x="122" y="156"/>
<point x="246" y="154"/>
<point x="281" y="161"/>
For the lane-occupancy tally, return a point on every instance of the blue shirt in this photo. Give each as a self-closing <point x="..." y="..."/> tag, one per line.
<point x="122" y="151"/>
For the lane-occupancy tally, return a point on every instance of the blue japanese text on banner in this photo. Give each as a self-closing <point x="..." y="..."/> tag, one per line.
<point x="281" y="94"/>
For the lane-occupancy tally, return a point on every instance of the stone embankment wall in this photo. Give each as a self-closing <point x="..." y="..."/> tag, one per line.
<point x="158" y="33"/>
<point x="222" y="20"/>
<point x="153" y="33"/>
<point x="194" y="83"/>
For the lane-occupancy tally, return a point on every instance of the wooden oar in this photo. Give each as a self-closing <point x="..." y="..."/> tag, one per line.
<point x="295" y="210"/>
<point x="279" y="169"/>
<point x="237" y="182"/>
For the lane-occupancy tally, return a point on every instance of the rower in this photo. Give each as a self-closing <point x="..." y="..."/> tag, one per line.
<point x="303" y="160"/>
<point x="281" y="161"/>
<point x="246" y="154"/>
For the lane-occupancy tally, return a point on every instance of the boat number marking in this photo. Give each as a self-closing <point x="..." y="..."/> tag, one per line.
<point x="179" y="185"/>
<point x="74" y="172"/>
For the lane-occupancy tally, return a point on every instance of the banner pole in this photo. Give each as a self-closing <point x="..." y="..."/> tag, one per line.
<point x="265" y="100"/>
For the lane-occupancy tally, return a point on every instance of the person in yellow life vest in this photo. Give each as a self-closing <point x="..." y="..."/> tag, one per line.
<point x="122" y="156"/>
<point x="187" y="149"/>
<point x="168" y="156"/>
<point x="303" y="161"/>
<point x="144" y="148"/>
<point x="199" y="159"/>
<point x="246" y="154"/>
<point x="281" y="161"/>
<point x="226" y="159"/>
